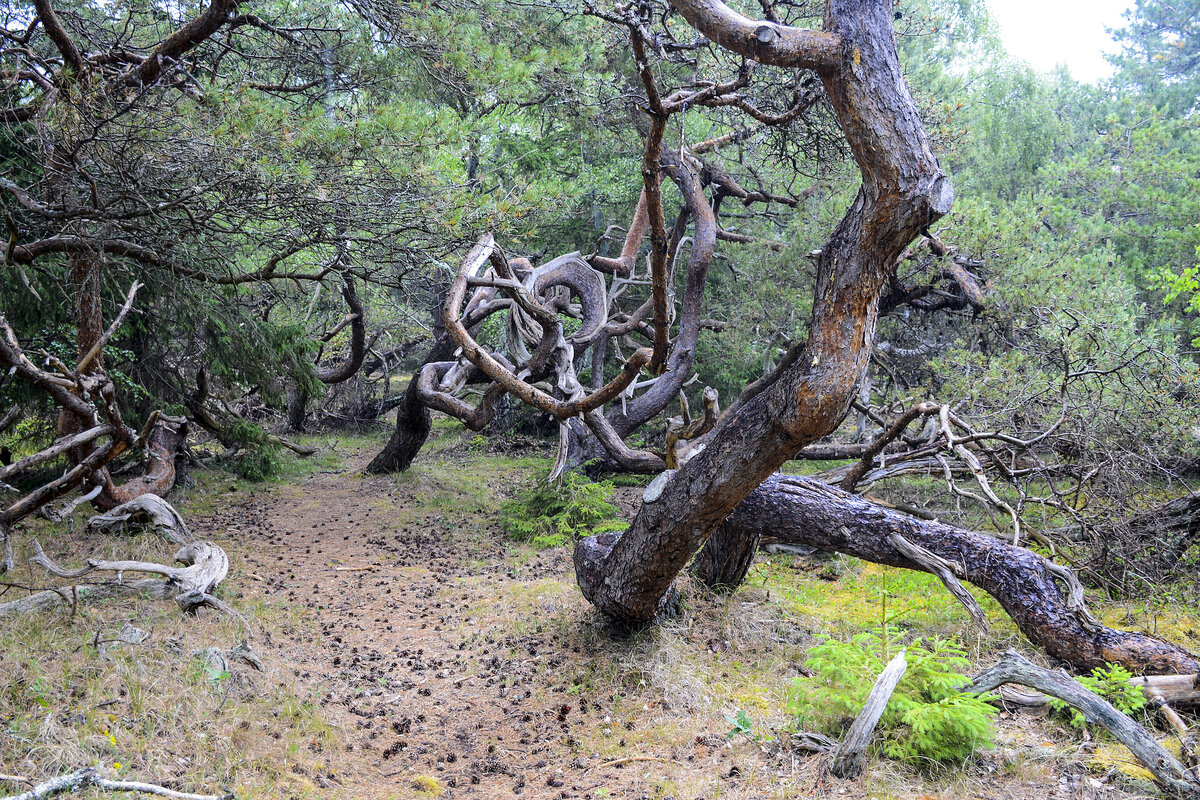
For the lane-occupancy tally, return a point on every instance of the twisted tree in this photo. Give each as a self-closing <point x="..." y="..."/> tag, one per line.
<point x="712" y="468"/>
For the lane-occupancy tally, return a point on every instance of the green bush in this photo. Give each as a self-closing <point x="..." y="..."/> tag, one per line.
<point x="259" y="464"/>
<point x="549" y="516"/>
<point x="1111" y="683"/>
<point x="927" y="720"/>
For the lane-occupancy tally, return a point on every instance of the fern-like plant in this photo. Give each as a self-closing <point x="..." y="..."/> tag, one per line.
<point x="927" y="720"/>
<point x="550" y="516"/>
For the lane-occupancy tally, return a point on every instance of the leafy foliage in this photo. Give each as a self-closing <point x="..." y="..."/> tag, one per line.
<point x="550" y="516"/>
<point x="927" y="720"/>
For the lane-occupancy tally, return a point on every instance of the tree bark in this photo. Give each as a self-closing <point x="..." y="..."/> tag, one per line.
<point x="903" y="192"/>
<point x="164" y="441"/>
<point x="807" y="512"/>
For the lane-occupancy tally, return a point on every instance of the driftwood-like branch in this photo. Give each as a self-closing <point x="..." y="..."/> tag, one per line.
<point x="485" y="361"/>
<point x="849" y="758"/>
<point x="1167" y="770"/>
<point x="946" y="572"/>
<point x="149" y="508"/>
<point x="205" y="565"/>
<point x="88" y="777"/>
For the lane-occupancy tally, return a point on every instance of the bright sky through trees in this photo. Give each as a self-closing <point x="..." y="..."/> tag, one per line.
<point x="1071" y="32"/>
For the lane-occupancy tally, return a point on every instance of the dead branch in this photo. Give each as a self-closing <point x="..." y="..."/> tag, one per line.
<point x="1014" y="668"/>
<point x="205" y="566"/>
<point x="849" y="757"/>
<point x="149" y="508"/>
<point x="88" y="777"/>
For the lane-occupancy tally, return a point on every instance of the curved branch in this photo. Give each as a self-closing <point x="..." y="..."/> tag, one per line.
<point x="764" y="42"/>
<point x="60" y="37"/>
<point x="358" y="340"/>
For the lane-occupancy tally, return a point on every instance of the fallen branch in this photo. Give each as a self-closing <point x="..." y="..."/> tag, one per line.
<point x="946" y="572"/>
<point x="1173" y="689"/>
<point x="849" y="758"/>
<point x="89" y="777"/>
<point x="149" y="508"/>
<point x="205" y="566"/>
<point x="1014" y="668"/>
<point x="616" y="762"/>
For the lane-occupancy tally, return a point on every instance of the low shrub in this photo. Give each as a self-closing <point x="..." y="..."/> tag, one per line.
<point x="927" y="720"/>
<point x="550" y="516"/>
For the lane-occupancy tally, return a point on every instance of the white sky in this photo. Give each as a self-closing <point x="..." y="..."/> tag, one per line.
<point x="1046" y="33"/>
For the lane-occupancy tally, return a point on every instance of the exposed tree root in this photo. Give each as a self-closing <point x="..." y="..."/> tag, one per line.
<point x="148" y="508"/>
<point x="88" y="777"/>
<point x="1044" y="599"/>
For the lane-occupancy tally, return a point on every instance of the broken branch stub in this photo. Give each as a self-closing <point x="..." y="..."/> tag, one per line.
<point x="849" y="758"/>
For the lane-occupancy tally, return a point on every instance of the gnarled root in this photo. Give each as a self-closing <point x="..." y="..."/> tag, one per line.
<point x="148" y="508"/>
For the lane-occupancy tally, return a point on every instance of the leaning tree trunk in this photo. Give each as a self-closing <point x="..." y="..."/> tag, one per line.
<point x="903" y="192"/>
<point x="413" y="421"/>
<point x="808" y="512"/>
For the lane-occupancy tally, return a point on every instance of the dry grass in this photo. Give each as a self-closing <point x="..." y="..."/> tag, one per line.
<point x="660" y="701"/>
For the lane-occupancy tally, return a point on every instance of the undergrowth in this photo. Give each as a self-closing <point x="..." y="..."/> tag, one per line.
<point x="549" y="516"/>
<point x="1111" y="682"/>
<point x="928" y="720"/>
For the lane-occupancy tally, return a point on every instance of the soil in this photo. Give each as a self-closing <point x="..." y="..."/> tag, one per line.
<point x="457" y="665"/>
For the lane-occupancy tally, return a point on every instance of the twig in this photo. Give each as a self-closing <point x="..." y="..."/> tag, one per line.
<point x="89" y="777"/>
<point x="616" y="762"/>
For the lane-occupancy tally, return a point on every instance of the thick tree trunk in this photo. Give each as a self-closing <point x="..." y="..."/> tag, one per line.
<point x="903" y="192"/>
<point x="297" y="409"/>
<point x="413" y="421"/>
<point x="807" y="512"/>
<point x="89" y="327"/>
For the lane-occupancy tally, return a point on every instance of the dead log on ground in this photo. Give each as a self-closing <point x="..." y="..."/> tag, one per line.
<point x="148" y="508"/>
<point x="205" y="565"/>
<point x="88" y="777"/>
<point x="1167" y="770"/>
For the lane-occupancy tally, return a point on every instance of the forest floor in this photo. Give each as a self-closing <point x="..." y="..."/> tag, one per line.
<point x="412" y="650"/>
